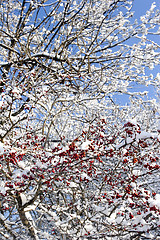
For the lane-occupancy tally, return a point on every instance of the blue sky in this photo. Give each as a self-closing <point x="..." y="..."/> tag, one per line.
<point x="139" y="8"/>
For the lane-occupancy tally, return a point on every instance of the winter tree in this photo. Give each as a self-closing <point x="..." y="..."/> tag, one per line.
<point x="75" y="163"/>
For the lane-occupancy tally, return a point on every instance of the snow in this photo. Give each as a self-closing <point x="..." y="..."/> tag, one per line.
<point x="15" y="118"/>
<point x="69" y="29"/>
<point x="62" y="113"/>
<point x="133" y="185"/>
<point x="3" y="188"/>
<point x="2" y="217"/>
<point x="119" y="220"/>
<point x="1" y="148"/>
<point x="1" y="102"/>
<point x="129" y="140"/>
<point x="44" y="89"/>
<point x="17" y="173"/>
<point x="23" y="198"/>
<point x="55" y="160"/>
<point x="124" y="151"/>
<point x="88" y="226"/>
<point x="85" y="145"/>
<point x="39" y="164"/>
<point x="133" y="121"/>
<point x="5" y="205"/>
<point x="144" y="135"/>
<point x="29" y="217"/>
<point x="112" y="218"/>
<point x="85" y="176"/>
<point x="158" y="76"/>
<point x="136" y="172"/>
<point x="153" y="6"/>
<point x="3" y="63"/>
<point x="73" y="185"/>
<point x="137" y="219"/>
<point x="45" y="54"/>
<point x="98" y="208"/>
<point x="22" y="164"/>
<point x="155" y="202"/>
<point x="15" y="91"/>
<point x="30" y="208"/>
